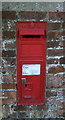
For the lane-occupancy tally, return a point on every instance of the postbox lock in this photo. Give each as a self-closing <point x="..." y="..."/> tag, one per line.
<point x="23" y="80"/>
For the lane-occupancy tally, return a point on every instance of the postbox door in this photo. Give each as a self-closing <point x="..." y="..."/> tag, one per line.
<point x="31" y="84"/>
<point x="31" y="63"/>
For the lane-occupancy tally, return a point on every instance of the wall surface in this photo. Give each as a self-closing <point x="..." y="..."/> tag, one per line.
<point x="55" y="68"/>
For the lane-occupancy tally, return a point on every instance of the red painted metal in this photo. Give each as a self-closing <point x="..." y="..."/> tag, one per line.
<point x="31" y="62"/>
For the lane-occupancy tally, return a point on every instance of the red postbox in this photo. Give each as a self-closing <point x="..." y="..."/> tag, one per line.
<point x="31" y="62"/>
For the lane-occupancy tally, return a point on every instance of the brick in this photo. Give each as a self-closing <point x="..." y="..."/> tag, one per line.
<point x="1" y="111"/>
<point x="25" y="108"/>
<point x="60" y="43"/>
<point x="0" y="35"/>
<point x="31" y="108"/>
<point x="0" y="43"/>
<point x="0" y="86"/>
<point x="54" y="26"/>
<point x="8" y="101"/>
<point x="22" y="108"/>
<point x="0" y="27"/>
<point x="63" y="15"/>
<point x="56" y="15"/>
<point x="54" y="35"/>
<point x="0" y="53"/>
<point x="5" y="110"/>
<point x="8" y="34"/>
<point x="9" y="94"/>
<point x="64" y="105"/>
<point x="9" y="70"/>
<point x="0" y="93"/>
<point x="9" y="78"/>
<point x="63" y="43"/>
<point x="10" y="45"/>
<point x="8" y="86"/>
<point x="37" y="114"/>
<point x="8" y="25"/>
<point x="63" y="92"/>
<point x="63" y="25"/>
<point x="60" y="113"/>
<point x="62" y="60"/>
<point x="58" y="35"/>
<point x="63" y="34"/>
<point x="56" y="85"/>
<point x="60" y="107"/>
<point x="51" y="35"/>
<point x="52" y="61"/>
<point x="60" y="93"/>
<point x="1" y="103"/>
<point x="0" y="68"/>
<point x="9" y="53"/>
<point x="0" y="14"/>
<point x="55" y="52"/>
<point x="51" y="93"/>
<point x="31" y="15"/>
<point x="3" y="70"/>
<point x="56" y="69"/>
<point x="52" y="85"/>
<point x="13" y="115"/>
<point x="64" y="51"/>
<point x="10" y="61"/>
<point x="6" y="107"/>
<point x="52" y="44"/>
<point x="55" y="78"/>
<point x="23" y="115"/>
<point x="8" y="14"/>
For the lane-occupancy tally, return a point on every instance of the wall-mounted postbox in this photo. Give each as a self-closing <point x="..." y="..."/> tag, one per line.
<point x="31" y="62"/>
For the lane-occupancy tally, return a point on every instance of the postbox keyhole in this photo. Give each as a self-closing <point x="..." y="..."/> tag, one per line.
<point x="25" y="85"/>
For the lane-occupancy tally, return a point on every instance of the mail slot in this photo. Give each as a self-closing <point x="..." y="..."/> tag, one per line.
<point x="31" y="63"/>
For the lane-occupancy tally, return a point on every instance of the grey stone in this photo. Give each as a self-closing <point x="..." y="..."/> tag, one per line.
<point x="32" y="6"/>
